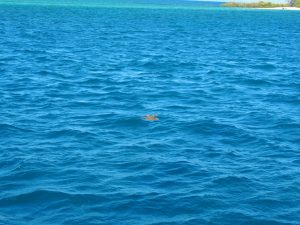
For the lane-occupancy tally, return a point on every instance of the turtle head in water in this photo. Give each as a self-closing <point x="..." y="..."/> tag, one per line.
<point x="151" y="117"/>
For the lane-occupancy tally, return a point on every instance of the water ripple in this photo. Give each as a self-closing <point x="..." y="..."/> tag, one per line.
<point x="76" y="83"/>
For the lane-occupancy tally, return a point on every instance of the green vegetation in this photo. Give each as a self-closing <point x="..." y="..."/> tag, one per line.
<point x="260" y="4"/>
<point x="294" y="3"/>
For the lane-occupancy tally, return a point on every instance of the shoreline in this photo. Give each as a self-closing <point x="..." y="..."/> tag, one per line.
<point x="280" y="8"/>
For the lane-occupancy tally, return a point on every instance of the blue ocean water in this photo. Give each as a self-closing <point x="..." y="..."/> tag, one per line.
<point x="76" y="82"/>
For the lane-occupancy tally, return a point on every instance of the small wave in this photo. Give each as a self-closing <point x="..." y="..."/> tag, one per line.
<point x="12" y="128"/>
<point x="129" y="122"/>
<point x="46" y="197"/>
<point x="70" y="133"/>
<point x="244" y="217"/>
<point x="255" y="82"/>
<point x="212" y="127"/>
<point x="265" y="67"/>
<point x="233" y="181"/>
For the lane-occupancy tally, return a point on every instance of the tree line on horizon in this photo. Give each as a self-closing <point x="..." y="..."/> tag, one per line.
<point x="294" y="3"/>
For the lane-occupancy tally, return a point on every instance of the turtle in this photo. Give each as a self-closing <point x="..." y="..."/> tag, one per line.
<point x="151" y="117"/>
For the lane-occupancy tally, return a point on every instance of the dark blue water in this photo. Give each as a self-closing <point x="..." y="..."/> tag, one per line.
<point x="76" y="83"/>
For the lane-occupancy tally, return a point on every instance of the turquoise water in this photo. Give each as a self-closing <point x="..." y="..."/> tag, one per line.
<point x="77" y="81"/>
<point x="181" y="4"/>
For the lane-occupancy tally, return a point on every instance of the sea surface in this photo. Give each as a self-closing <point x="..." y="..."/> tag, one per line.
<point x="77" y="79"/>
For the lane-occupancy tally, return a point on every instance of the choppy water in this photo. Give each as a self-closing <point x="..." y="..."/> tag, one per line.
<point x="76" y="83"/>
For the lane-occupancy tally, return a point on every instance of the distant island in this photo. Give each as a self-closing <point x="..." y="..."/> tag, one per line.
<point x="293" y="4"/>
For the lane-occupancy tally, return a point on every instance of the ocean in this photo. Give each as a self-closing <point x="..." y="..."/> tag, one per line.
<point x="78" y="78"/>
